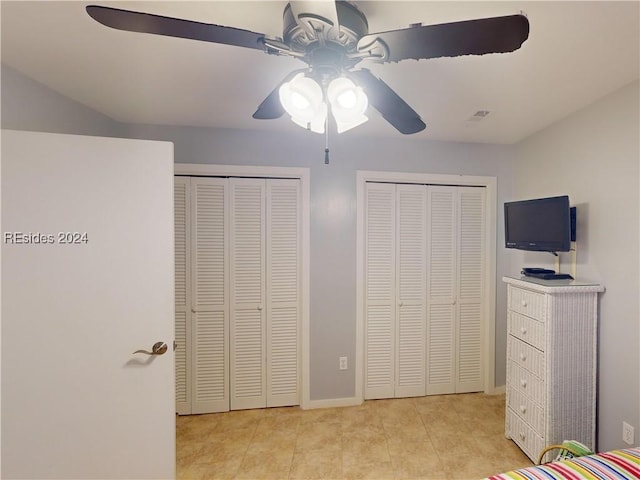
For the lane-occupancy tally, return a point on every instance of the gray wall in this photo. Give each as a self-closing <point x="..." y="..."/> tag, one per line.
<point x="593" y="157"/>
<point x="333" y="217"/>
<point x="29" y="105"/>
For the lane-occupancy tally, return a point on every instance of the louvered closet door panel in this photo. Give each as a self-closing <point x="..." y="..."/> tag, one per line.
<point x="247" y="273"/>
<point x="283" y="291"/>
<point x="471" y="215"/>
<point x="411" y="283"/>
<point x="380" y="298"/>
<point x="182" y="293"/>
<point x="210" y="296"/>
<point x="441" y="289"/>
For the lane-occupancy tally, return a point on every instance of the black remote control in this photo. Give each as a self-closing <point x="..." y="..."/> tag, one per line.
<point x="536" y="271"/>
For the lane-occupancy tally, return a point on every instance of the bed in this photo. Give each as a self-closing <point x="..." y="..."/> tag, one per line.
<point x="613" y="465"/>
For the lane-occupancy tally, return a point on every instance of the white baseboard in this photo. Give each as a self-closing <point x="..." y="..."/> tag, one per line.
<point x="332" y="402"/>
<point x="355" y="401"/>
<point x="501" y="390"/>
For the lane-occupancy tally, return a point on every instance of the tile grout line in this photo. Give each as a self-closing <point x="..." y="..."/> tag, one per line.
<point x="295" y="445"/>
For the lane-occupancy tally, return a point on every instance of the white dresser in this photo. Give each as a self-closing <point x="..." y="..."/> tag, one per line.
<point x="551" y="362"/>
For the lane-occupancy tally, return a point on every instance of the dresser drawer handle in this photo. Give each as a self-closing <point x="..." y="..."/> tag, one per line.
<point x="523" y="383"/>
<point x="524" y="303"/>
<point x="523" y="357"/>
<point x="523" y="409"/>
<point x="523" y="330"/>
<point x="522" y="436"/>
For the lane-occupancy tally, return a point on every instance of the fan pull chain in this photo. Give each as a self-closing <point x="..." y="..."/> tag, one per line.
<point x="326" y="140"/>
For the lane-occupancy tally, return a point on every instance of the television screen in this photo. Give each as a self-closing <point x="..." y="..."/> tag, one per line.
<point x="542" y="224"/>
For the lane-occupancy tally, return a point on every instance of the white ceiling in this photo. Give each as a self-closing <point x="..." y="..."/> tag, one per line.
<point x="576" y="53"/>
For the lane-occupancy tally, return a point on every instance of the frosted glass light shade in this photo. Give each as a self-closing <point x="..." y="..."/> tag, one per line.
<point x="316" y="124"/>
<point x="302" y="100"/>
<point x="348" y="103"/>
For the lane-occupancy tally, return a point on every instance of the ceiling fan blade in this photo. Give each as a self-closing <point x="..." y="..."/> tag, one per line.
<point x="471" y="37"/>
<point x="175" y="27"/>
<point x="393" y="108"/>
<point x="271" y="108"/>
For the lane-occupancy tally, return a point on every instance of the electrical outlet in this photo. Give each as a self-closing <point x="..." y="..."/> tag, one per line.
<point x="343" y="363"/>
<point x="627" y="433"/>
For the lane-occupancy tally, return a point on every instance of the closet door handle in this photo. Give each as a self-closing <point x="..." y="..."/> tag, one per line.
<point x="159" y="348"/>
<point x="259" y="307"/>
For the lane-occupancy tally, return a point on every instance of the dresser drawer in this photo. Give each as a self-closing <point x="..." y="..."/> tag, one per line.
<point x="527" y="329"/>
<point x="526" y="382"/>
<point x="526" y="302"/>
<point x="526" y="356"/>
<point x="527" y="439"/>
<point x="527" y="409"/>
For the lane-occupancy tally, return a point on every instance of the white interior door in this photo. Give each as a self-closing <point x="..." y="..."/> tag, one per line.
<point x="77" y="402"/>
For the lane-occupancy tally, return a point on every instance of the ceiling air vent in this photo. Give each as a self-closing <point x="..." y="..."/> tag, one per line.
<point x="478" y="116"/>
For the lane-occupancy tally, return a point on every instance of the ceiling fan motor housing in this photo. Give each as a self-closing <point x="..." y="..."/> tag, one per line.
<point x="325" y="46"/>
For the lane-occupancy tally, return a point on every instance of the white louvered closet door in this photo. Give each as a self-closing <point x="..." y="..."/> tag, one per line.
<point x="411" y="293"/>
<point x="471" y="215"/>
<point x="209" y="296"/>
<point x="454" y="289"/>
<point x="182" y="293"/>
<point x="441" y="289"/>
<point x="238" y="293"/>
<point x="380" y="288"/>
<point x="247" y="288"/>
<point x="265" y="292"/>
<point x="283" y="292"/>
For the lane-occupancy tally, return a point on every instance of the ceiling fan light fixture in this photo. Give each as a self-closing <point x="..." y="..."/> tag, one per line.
<point x="317" y="123"/>
<point x="299" y="101"/>
<point x="347" y="99"/>
<point x="301" y="98"/>
<point x="348" y="103"/>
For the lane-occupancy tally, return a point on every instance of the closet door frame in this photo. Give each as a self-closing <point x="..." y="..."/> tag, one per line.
<point x="488" y="333"/>
<point x="302" y="174"/>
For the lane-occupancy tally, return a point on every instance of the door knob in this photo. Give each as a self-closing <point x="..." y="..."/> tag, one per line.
<point x="158" y="349"/>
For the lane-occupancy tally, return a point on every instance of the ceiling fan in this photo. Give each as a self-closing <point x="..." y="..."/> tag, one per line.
<point x="332" y="38"/>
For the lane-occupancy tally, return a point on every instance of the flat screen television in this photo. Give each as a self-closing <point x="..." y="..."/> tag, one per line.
<point x="541" y="224"/>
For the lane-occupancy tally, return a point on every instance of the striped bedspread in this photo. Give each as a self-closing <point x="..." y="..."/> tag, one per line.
<point x="617" y="464"/>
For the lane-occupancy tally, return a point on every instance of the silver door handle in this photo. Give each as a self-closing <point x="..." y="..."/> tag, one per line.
<point x="158" y="349"/>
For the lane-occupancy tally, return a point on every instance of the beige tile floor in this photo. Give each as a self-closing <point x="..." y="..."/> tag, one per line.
<point x="434" y="437"/>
